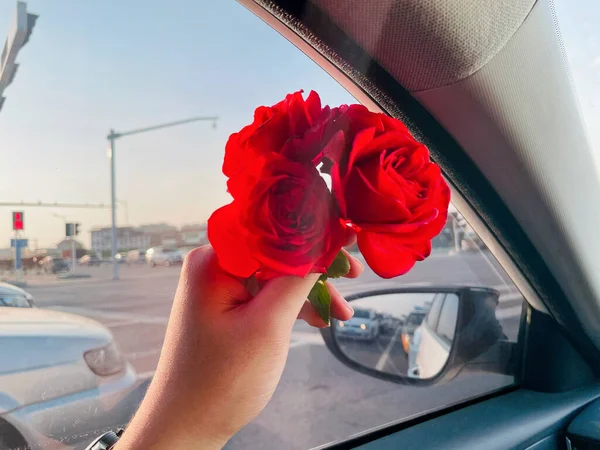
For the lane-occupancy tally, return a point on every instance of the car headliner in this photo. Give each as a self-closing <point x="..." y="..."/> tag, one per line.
<point x="494" y="75"/>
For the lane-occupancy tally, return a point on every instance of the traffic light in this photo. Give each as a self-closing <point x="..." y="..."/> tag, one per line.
<point x="71" y="229"/>
<point x="18" y="220"/>
<point x="21" y="30"/>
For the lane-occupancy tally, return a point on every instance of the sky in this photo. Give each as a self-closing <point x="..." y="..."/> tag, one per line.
<point x="95" y="65"/>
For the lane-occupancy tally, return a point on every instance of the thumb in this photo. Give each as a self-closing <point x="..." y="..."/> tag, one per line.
<point x="282" y="298"/>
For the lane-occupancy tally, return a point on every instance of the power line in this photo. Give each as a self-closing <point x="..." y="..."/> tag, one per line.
<point x="57" y="205"/>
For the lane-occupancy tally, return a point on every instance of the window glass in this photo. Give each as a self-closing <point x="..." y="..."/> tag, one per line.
<point x="434" y="312"/>
<point x="16" y="301"/>
<point x="362" y="314"/>
<point x="446" y="326"/>
<point x="92" y="67"/>
<point x="578" y="23"/>
<point x="415" y="318"/>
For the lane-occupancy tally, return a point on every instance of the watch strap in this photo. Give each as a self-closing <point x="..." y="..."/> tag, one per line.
<point x="106" y="441"/>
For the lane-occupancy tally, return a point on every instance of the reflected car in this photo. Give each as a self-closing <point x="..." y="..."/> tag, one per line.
<point x="388" y="324"/>
<point x="62" y="378"/>
<point x="15" y="297"/>
<point x="362" y="326"/>
<point x="162" y="256"/>
<point x="412" y="322"/>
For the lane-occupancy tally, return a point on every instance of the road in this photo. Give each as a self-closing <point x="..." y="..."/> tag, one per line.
<point x="319" y="400"/>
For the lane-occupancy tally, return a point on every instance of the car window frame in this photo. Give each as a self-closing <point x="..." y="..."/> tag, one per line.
<point x="472" y="193"/>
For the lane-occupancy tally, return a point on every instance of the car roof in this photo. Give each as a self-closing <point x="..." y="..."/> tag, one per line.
<point x="475" y="90"/>
<point x="38" y="322"/>
<point x="6" y="288"/>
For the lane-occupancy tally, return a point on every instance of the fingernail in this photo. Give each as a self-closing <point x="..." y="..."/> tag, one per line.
<point x="349" y="308"/>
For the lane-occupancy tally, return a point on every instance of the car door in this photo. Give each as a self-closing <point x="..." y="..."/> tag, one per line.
<point x="482" y="83"/>
<point x="398" y="57"/>
<point x="436" y="336"/>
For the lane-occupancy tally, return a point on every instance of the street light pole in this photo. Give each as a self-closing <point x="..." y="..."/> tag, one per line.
<point x="112" y="137"/>
<point x="113" y="200"/>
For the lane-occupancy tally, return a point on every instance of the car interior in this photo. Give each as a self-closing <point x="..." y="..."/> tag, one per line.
<point x="490" y="341"/>
<point x="486" y="85"/>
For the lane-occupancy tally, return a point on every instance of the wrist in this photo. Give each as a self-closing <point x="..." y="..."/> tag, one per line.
<point x="167" y="421"/>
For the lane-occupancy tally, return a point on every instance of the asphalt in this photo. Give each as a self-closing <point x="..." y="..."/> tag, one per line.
<point x="319" y="399"/>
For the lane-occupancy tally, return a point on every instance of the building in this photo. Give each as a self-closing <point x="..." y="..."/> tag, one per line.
<point x="128" y="238"/>
<point x="156" y="228"/>
<point x="64" y="248"/>
<point x="194" y="235"/>
<point x="146" y="236"/>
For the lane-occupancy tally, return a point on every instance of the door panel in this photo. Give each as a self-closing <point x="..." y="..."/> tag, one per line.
<point x="520" y="419"/>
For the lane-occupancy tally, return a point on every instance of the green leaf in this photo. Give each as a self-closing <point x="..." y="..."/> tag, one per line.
<point x="320" y="300"/>
<point x="339" y="267"/>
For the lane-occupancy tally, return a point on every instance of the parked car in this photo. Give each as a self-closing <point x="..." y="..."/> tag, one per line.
<point x="388" y="324"/>
<point x="136" y="257"/>
<point x="62" y="377"/>
<point x="163" y="256"/>
<point x="14" y="296"/>
<point x="362" y="326"/>
<point x="52" y="264"/>
<point x="412" y="322"/>
<point x="90" y="260"/>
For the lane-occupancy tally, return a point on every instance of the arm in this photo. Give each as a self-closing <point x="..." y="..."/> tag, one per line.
<point x="223" y="355"/>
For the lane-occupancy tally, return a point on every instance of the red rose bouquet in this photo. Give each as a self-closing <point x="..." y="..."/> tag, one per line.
<point x="284" y="220"/>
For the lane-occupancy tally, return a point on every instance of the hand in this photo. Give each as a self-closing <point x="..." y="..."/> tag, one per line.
<point x="223" y="355"/>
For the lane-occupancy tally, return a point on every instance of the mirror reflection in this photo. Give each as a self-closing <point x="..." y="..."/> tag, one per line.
<point x="407" y="333"/>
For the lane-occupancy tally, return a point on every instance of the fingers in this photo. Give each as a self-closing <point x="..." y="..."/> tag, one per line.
<point x="282" y="298"/>
<point x="356" y="267"/>
<point x="204" y="283"/>
<point x="351" y="239"/>
<point x="340" y="309"/>
<point x="310" y="316"/>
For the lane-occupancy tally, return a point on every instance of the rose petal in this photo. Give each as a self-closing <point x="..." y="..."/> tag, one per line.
<point x="387" y="256"/>
<point x="227" y="238"/>
<point x="366" y="204"/>
<point x="312" y="106"/>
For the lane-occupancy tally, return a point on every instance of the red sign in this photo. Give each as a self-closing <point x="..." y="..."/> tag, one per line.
<point x="18" y="219"/>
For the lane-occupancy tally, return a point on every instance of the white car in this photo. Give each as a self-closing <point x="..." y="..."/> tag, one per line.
<point x="162" y="256"/>
<point x="362" y="326"/>
<point x="432" y="341"/>
<point x="62" y="379"/>
<point x="14" y="296"/>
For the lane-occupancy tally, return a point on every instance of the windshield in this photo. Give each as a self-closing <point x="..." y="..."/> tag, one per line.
<point x="362" y="314"/>
<point x="415" y="319"/>
<point x="578" y="23"/>
<point x="16" y="301"/>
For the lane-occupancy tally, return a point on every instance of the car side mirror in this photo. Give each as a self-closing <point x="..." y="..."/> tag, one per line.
<point x="422" y="336"/>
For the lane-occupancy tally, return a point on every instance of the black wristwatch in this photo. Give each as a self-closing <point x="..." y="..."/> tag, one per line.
<point x="106" y="441"/>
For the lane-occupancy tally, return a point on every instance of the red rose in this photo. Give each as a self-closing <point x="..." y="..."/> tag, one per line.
<point x="283" y="220"/>
<point x="386" y="185"/>
<point x="292" y="127"/>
